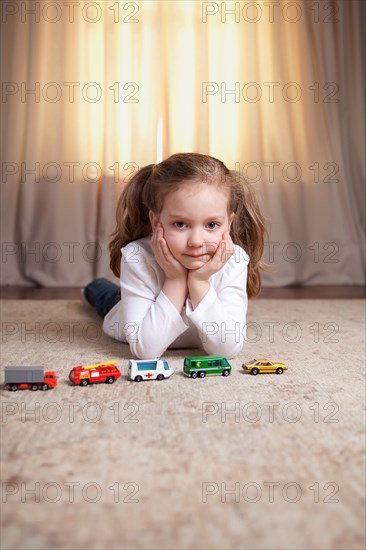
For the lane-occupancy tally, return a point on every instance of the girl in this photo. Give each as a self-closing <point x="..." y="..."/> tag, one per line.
<point x="183" y="281"/>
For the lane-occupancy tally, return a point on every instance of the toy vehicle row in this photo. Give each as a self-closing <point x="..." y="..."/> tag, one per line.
<point x="197" y="366"/>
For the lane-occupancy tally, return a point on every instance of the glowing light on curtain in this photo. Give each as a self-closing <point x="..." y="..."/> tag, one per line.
<point x="159" y="141"/>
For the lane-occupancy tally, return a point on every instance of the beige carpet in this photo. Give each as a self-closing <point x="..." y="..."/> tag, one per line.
<point x="266" y="462"/>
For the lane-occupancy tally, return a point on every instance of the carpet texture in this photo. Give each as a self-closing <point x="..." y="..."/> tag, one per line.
<point x="244" y="462"/>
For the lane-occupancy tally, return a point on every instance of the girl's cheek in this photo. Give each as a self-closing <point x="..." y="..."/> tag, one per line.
<point x="175" y="239"/>
<point x="167" y="233"/>
<point x="169" y="238"/>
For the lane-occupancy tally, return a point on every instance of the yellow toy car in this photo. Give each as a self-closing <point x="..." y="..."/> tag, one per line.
<point x="256" y="366"/>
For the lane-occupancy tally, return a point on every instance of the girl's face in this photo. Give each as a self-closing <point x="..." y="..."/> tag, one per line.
<point x="194" y="219"/>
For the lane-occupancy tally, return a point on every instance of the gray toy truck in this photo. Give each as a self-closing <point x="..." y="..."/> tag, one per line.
<point x="34" y="378"/>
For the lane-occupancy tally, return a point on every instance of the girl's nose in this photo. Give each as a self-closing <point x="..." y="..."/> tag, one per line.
<point x="195" y="238"/>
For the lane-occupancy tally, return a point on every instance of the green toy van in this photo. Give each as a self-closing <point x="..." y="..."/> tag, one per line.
<point x="197" y="366"/>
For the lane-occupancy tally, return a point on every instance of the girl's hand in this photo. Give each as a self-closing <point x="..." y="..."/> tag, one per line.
<point x="171" y="267"/>
<point x="198" y="284"/>
<point x="223" y="252"/>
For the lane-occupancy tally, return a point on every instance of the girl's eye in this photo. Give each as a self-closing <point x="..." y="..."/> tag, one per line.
<point x="212" y="225"/>
<point x="179" y="225"/>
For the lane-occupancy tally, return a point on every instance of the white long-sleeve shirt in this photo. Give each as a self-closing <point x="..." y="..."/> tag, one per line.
<point x="150" y="323"/>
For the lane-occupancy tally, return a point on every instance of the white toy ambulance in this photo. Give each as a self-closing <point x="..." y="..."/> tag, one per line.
<point x="149" y="369"/>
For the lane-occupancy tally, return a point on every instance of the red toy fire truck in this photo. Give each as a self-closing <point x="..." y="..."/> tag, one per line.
<point x="91" y="374"/>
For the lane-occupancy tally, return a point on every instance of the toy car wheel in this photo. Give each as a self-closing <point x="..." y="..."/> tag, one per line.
<point x="279" y="370"/>
<point x="110" y="380"/>
<point x="225" y="372"/>
<point x="255" y="371"/>
<point x="193" y="375"/>
<point x="13" y="387"/>
<point x="202" y="374"/>
<point x="44" y="387"/>
<point x="84" y="382"/>
<point x="34" y="387"/>
<point x="138" y="378"/>
<point x="160" y="377"/>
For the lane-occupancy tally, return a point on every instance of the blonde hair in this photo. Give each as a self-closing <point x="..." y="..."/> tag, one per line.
<point x="147" y="189"/>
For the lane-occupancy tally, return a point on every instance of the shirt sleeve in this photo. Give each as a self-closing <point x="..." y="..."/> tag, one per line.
<point x="220" y="317"/>
<point x="149" y="320"/>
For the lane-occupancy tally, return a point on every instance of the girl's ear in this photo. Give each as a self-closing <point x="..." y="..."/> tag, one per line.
<point x="153" y="219"/>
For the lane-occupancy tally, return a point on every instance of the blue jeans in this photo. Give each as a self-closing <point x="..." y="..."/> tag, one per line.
<point x="102" y="295"/>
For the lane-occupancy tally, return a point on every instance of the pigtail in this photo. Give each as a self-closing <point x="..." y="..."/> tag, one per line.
<point x="132" y="217"/>
<point x="248" y="229"/>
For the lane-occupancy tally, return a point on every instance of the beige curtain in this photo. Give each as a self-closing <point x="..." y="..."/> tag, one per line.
<point x="93" y="90"/>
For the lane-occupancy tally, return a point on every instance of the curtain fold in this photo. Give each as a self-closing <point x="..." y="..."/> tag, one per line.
<point x="276" y="92"/>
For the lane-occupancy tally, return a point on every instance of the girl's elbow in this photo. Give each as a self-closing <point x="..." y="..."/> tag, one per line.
<point x="144" y="352"/>
<point x="229" y="350"/>
<point x="235" y="350"/>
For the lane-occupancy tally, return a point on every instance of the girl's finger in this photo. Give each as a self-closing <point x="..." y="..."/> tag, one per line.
<point x="228" y="248"/>
<point x="164" y="249"/>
